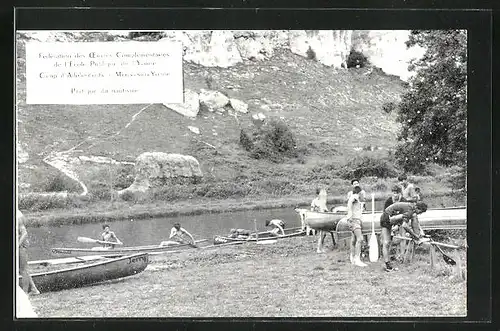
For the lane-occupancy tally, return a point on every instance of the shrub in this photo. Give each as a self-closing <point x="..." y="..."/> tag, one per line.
<point x="273" y="141"/>
<point x="224" y="190"/>
<point x="151" y="35"/>
<point x="366" y="165"/>
<point x="311" y="55"/>
<point x="169" y="193"/>
<point x="388" y="107"/>
<point x="128" y="196"/>
<point x="245" y="141"/>
<point x="277" y="186"/>
<point x="458" y="178"/>
<point x="52" y="181"/>
<point x="100" y="191"/>
<point x="123" y="178"/>
<point x="356" y="59"/>
<point x="379" y="187"/>
<point x="41" y="202"/>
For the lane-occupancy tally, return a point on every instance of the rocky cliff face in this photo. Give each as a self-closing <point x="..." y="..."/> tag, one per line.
<point x="385" y="49"/>
<point x="156" y="169"/>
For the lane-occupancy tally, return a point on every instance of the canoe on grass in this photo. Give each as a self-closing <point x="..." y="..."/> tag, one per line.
<point x="442" y="218"/>
<point x="432" y="219"/>
<point x="263" y="236"/>
<point x="108" y="269"/>
<point x="106" y="251"/>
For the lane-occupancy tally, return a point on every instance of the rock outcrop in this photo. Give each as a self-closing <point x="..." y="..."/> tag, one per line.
<point x="385" y="49"/>
<point x="212" y="100"/>
<point x="239" y="105"/>
<point x="212" y="48"/>
<point x="326" y="46"/>
<point x="190" y="107"/>
<point x="156" y="169"/>
<point x="22" y="155"/>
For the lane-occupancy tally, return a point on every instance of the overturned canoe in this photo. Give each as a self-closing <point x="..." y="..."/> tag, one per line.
<point x="106" y="251"/>
<point x="323" y="220"/>
<point x="107" y="269"/>
<point x="432" y="219"/>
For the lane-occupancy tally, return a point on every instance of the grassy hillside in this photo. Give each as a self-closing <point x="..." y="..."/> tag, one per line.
<point x="335" y="115"/>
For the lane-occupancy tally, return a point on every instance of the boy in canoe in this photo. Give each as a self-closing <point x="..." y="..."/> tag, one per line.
<point x="26" y="283"/>
<point x="277" y="225"/>
<point x="181" y="235"/>
<point x="109" y="236"/>
<point x="354" y="213"/>
<point x="399" y="213"/>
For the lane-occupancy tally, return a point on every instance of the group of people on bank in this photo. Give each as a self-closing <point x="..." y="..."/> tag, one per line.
<point x="400" y="211"/>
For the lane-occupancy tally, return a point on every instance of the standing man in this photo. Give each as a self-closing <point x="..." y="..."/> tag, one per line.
<point x="354" y="213"/>
<point x="26" y="282"/>
<point x="399" y="213"/>
<point x="362" y="193"/>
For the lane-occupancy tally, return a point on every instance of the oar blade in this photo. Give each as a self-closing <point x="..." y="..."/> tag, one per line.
<point x="373" y="250"/>
<point x="86" y="240"/>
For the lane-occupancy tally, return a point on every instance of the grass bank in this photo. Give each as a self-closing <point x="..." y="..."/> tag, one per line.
<point x="286" y="279"/>
<point x="120" y="210"/>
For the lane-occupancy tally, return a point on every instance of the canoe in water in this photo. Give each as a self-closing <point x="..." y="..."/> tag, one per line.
<point x="86" y="274"/>
<point x="432" y="219"/>
<point x="105" y="251"/>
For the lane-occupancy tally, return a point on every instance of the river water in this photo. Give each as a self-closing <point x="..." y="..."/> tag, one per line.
<point x="153" y="231"/>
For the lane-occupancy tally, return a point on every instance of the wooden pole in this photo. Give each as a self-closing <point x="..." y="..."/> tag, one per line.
<point x="432" y="254"/>
<point x="458" y="265"/>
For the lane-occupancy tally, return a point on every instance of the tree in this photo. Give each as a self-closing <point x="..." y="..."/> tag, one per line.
<point x="433" y="112"/>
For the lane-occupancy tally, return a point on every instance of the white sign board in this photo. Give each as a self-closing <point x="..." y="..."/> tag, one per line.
<point x="104" y="72"/>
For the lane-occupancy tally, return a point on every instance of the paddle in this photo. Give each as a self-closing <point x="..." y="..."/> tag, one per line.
<point x="265" y="242"/>
<point x="447" y="259"/>
<point x="95" y="241"/>
<point x="256" y="233"/>
<point x="373" y="243"/>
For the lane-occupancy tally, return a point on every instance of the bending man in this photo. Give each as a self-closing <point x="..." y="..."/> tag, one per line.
<point x="399" y="213"/>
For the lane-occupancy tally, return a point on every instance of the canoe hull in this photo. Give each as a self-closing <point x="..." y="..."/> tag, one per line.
<point x="92" y="273"/>
<point x="323" y="220"/>
<point x="71" y="251"/>
<point x="432" y="219"/>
